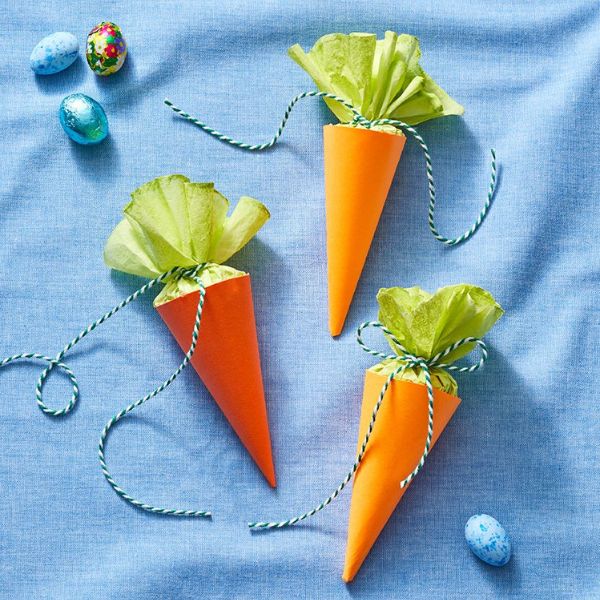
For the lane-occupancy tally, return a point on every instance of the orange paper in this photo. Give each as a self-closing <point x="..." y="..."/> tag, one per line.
<point x="359" y="168"/>
<point x="394" y="450"/>
<point x="227" y="359"/>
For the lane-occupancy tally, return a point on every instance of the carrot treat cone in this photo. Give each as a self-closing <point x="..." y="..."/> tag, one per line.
<point x="177" y="233"/>
<point x="381" y="80"/>
<point x="359" y="163"/>
<point x="379" y="92"/>
<point x="227" y="359"/>
<point x="408" y="399"/>
<point x="173" y="222"/>
<point x="396" y="445"/>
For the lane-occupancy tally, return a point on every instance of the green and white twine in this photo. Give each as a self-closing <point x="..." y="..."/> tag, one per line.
<point x="56" y="361"/>
<point x="364" y="122"/>
<point x="405" y="360"/>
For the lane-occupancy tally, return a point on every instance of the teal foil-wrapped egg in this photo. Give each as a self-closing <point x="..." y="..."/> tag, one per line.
<point x="83" y="119"/>
<point x="488" y="540"/>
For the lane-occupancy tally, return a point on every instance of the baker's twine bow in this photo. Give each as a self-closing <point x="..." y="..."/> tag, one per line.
<point x="405" y="360"/>
<point x="57" y="361"/>
<point x="360" y="120"/>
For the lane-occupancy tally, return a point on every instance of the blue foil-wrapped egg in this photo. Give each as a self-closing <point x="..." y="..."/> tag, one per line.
<point x="83" y="119"/>
<point x="54" y="53"/>
<point x="488" y="540"/>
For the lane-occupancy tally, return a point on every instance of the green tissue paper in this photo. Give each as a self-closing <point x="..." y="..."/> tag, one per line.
<point x="172" y="222"/>
<point x="426" y="324"/>
<point x="380" y="78"/>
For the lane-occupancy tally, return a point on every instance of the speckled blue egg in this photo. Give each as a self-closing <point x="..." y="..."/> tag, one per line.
<point x="488" y="540"/>
<point x="54" y="53"/>
<point x="83" y="119"/>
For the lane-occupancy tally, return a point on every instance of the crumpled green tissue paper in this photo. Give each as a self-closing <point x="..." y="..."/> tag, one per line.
<point x="172" y="222"/>
<point x="380" y="78"/>
<point x="426" y="324"/>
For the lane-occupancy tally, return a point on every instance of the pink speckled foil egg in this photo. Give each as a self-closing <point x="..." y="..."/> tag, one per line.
<point x="106" y="48"/>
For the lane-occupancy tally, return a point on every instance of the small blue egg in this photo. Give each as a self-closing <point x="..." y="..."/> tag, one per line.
<point x="488" y="540"/>
<point x="54" y="53"/>
<point x="83" y="119"/>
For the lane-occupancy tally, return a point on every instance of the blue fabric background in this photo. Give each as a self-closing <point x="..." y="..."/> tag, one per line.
<point x="523" y="445"/>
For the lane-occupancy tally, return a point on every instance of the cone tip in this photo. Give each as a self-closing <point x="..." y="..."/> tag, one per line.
<point x="335" y="328"/>
<point x="347" y="577"/>
<point x="268" y="470"/>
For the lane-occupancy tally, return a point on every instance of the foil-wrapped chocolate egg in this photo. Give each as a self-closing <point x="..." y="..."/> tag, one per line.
<point x="83" y="119"/>
<point x="106" y="48"/>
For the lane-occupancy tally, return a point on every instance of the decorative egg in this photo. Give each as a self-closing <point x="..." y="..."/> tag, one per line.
<point x="83" y="119"/>
<point x="54" y="53"/>
<point x="106" y="48"/>
<point x="488" y="540"/>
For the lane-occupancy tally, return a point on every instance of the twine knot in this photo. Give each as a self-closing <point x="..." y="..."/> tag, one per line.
<point x="360" y="120"/>
<point x="408" y="359"/>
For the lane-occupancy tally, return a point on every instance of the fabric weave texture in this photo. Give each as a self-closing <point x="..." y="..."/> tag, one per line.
<point x="523" y="445"/>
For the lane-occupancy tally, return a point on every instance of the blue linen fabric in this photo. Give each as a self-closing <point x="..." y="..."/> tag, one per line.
<point x="523" y="446"/>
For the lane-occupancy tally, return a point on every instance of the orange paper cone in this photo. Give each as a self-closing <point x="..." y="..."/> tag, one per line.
<point x="395" y="448"/>
<point x="227" y="359"/>
<point x="359" y="169"/>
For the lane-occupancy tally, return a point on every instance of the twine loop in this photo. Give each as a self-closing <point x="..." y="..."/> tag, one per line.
<point x="410" y="360"/>
<point x="360" y="120"/>
<point x="52" y="362"/>
<point x="404" y="359"/>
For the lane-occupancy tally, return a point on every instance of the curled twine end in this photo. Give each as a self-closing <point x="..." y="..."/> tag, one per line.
<point x="53" y="362"/>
